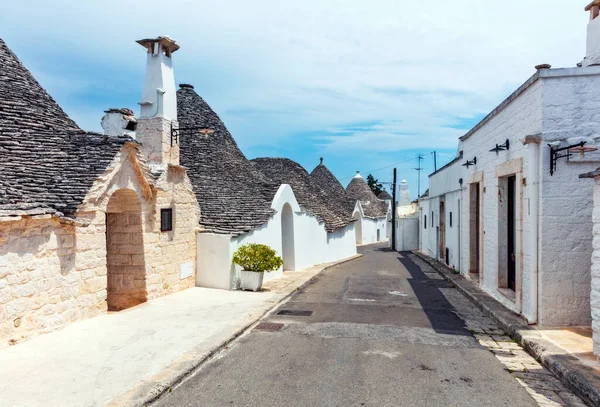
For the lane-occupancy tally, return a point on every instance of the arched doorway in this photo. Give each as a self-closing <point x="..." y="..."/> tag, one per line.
<point x="358" y="227"/>
<point x="125" y="265"/>
<point x="287" y="238"/>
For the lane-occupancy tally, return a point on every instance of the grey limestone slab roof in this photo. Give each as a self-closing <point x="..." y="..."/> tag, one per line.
<point x="330" y="184"/>
<point x="383" y="195"/>
<point x="47" y="163"/>
<point x="311" y="197"/>
<point x="234" y="196"/>
<point x="372" y="206"/>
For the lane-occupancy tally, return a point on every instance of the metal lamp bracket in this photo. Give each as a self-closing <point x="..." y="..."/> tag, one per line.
<point x="555" y="154"/>
<point x="469" y="163"/>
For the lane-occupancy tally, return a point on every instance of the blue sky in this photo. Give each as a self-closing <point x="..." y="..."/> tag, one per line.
<point x="363" y="84"/>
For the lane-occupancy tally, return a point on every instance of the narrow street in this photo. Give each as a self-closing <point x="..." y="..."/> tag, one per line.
<point x="385" y="330"/>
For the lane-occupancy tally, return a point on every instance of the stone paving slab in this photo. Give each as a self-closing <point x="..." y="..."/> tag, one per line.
<point x="131" y="357"/>
<point x="573" y="373"/>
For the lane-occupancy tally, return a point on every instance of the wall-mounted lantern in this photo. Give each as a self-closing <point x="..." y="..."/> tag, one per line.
<point x="469" y="163"/>
<point x="501" y="147"/>
<point x="175" y="132"/>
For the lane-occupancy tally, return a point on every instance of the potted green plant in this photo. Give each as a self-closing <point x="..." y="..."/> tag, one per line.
<point x="255" y="259"/>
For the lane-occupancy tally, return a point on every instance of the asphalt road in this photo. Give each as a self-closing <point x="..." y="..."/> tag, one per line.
<point x="381" y="333"/>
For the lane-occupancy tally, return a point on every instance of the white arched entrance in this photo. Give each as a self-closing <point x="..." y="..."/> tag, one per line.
<point x="358" y="227"/>
<point x="125" y="265"/>
<point x="287" y="238"/>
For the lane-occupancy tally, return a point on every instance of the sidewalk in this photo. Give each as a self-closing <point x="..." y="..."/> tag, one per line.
<point x="563" y="351"/>
<point x="131" y="357"/>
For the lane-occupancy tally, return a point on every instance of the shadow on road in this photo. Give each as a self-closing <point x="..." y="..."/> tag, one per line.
<point x="438" y="309"/>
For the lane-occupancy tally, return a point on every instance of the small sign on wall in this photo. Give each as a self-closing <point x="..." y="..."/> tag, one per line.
<point x="186" y="270"/>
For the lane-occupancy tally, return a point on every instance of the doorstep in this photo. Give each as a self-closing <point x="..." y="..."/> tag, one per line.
<point x="565" y="351"/>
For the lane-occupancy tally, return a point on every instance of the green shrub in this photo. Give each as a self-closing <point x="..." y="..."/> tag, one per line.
<point x="257" y="257"/>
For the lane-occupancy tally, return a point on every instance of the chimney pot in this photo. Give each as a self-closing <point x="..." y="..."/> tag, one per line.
<point x="543" y="66"/>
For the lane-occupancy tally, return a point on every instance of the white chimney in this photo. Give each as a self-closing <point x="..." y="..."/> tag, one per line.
<point x="119" y="122"/>
<point x="159" y="98"/>
<point x="592" y="56"/>
<point x="404" y="195"/>
<point x="157" y="124"/>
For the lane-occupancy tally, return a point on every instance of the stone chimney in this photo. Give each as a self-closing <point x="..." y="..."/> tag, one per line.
<point x="119" y="122"/>
<point x="592" y="56"/>
<point x="404" y="195"/>
<point x="158" y="114"/>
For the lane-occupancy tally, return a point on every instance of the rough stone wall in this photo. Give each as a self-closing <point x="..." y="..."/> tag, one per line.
<point x="166" y="252"/>
<point x="155" y="135"/>
<point x="570" y="111"/>
<point x="52" y="274"/>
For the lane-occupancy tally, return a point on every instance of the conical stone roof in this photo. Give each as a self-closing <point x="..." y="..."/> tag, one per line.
<point x="384" y="195"/>
<point x="311" y="197"/>
<point x="24" y="104"/>
<point x="48" y="164"/>
<point x="330" y="184"/>
<point x="234" y="196"/>
<point x="372" y="206"/>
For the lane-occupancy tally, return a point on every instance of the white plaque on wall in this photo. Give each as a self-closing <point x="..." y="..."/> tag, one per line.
<point x="186" y="270"/>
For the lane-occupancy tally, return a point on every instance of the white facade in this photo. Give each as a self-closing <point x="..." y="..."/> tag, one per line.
<point x="369" y="230"/>
<point x="407" y="221"/>
<point x="552" y="233"/>
<point x="300" y="238"/>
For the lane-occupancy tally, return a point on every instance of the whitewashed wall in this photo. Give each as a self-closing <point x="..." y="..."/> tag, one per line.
<point x="571" y="101"/>
<point x="367" y="227"/>
<point x="312" y="244"/>
<point x="407" y="233"/>
<point x="559" y="105"/>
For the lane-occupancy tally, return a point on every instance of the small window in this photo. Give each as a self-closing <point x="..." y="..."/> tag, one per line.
<point x="166" y="220"/>
<point x="450" y="219"/>
<point x="431" y="218"/>
<point x="424" y="221"/>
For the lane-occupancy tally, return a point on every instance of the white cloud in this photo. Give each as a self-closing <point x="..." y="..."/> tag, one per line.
<point x="317" y="65"/>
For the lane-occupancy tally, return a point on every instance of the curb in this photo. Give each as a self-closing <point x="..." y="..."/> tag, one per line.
<point x="574" y="374"/>
<point x="147" y="393"/>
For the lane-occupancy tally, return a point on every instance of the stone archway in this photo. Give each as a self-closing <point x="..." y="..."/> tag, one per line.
<point x="287" y="238"/>
<point x="125" y="264"/>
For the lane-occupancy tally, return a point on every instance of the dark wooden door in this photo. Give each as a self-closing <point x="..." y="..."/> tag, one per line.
<point x="511" y="219"/>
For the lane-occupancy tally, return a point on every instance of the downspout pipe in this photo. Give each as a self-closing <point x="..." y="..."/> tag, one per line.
<point x="533" y="184"/>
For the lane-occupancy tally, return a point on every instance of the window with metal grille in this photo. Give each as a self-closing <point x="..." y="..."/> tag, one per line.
<point x="166" y="220"/>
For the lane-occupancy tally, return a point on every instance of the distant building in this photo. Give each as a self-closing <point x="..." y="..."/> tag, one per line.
<point x="407" y="221"/>
<point x="372" y="214"/>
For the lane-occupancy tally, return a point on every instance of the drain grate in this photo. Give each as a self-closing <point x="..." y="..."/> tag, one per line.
<point x="295" y="313"/>
<point x="269" y="326"/>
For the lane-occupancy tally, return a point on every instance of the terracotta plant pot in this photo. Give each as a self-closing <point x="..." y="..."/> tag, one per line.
<point x="252" y="280"/>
